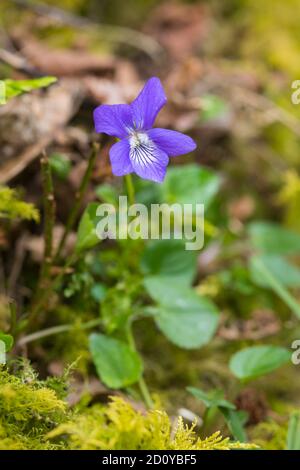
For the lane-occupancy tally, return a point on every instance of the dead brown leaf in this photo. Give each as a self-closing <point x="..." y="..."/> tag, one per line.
<point x="30" y="122"/>
<point x="65" y="63"/>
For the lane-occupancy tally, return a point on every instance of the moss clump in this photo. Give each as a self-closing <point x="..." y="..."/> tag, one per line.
<point x="28" y="411"/>
<point x="12" y="207"/>
<point x="119" y="426"/>
<point x="34" y="416"/>
<point x="270" y="435"/>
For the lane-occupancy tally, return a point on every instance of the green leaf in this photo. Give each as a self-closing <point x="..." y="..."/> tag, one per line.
<point x="147" y="192"/>
<point x="107" y="193"/>
<point x="260" y="271"/>
<point x="8" y="340"/>
<point x="293" y="436"/>
<point x="60" y="165"/>
<point x="273" y="239"/>
<point x="185" y="318"/>
<point x="169" y="258"/>
<point x="169" y="291"/>
<point x="212" y="107"/>
<point x="280" y="268"/>
<point x="190" y="184"/>
<point x="6" y="343"/>
<point x="17" y="87"/>
<point x="98" y="291"/>
<point x="86" y="235"/>
<point x="117" y="364"/>
<point x="235" y="421"/>
<point x="2" y="352"/>
<point x="214" y="398"/>
<point x="253" y="362"/>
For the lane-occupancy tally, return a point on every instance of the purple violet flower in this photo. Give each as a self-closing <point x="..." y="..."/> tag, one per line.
<point x="141" y="149"/>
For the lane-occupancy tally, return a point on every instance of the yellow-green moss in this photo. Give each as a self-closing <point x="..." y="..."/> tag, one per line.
<point x="33" y="416"/>
<point x="12" y="207"/>
<point x="119" y="426"/>
<point x="28" y="411"/>
<point x="270" y="435"/>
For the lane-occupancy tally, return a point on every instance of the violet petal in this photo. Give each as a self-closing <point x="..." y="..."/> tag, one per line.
<point x="113" y="119"/>
<point x="172" y="142"/>
<point x="148" y="104"/>
<point x="119" y="158"/>
<point x="149" y="162"/>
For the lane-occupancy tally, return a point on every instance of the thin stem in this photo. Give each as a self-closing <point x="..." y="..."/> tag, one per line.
<point x="145" y="393"/>
<point x="141" y="383"/>
<point x="78" y="199"/>
<point x="54" y="330"/>
<point x="38" y="303"/>
<point x="130" y="189"/>
<point x="49" y="218"/>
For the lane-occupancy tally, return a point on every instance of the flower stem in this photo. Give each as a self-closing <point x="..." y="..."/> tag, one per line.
<point x="145" y="393"/>
<point x="141" y="383"/>
<point x="78" y="199"/>
<point x="130" y="189"/>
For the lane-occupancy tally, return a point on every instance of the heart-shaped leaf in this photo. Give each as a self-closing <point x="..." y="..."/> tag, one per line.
<point x="117" y="364"/>
<point x="255" y="361"/>
<point x="190" y="184"/>
<point x="185" y="318"/>
<point x="169" y="258"/>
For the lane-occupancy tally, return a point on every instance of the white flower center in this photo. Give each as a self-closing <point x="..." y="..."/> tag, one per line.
<point x="142" y="149"/>
<point x="139" y="139"/>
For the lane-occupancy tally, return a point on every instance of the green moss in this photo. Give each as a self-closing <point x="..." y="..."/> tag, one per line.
<point x="28" y="411"/>
<point x="119" y="426"/>
<point x="270" y="435"/>
<point x="11" y="207"/>
<point x="32" y="416"/>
